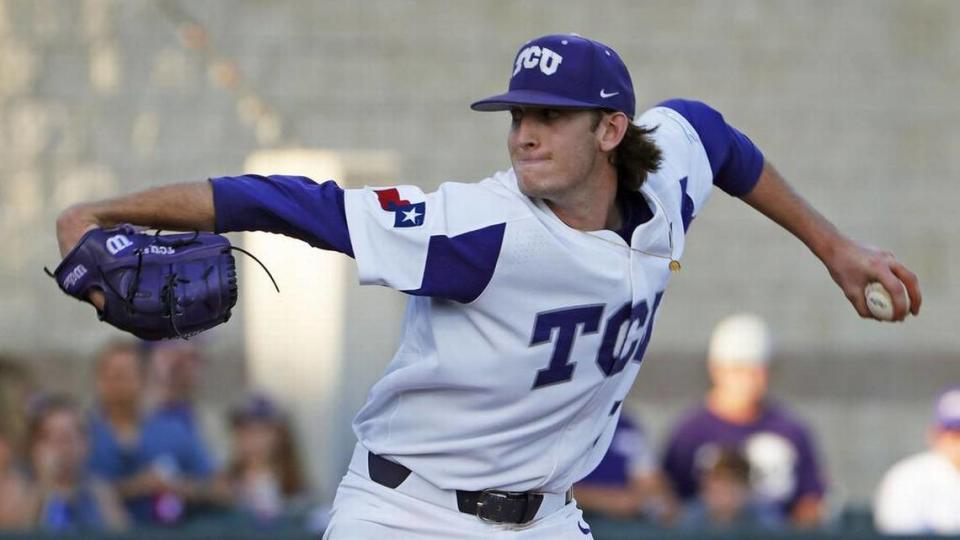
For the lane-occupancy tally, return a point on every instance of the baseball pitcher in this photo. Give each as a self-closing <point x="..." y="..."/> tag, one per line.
<point x="533" y="292"/>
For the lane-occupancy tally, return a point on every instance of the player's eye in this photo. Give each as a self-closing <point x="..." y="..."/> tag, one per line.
<point x="515" y="116"/>
<point x="551" y="114"/>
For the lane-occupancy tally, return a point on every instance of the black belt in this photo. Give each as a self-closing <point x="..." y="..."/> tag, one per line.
<point x="488" y="505"/>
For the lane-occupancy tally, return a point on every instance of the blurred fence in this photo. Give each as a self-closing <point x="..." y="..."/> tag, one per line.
<point x="855" y="524"/>
<point x="601" y="531"/>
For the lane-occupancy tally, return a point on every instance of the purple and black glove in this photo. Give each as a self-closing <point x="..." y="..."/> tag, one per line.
<point x="155" y="286"/>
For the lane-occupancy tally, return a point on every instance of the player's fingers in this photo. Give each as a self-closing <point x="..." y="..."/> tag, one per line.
<point x="898" y="294"/>
<point x="98" y="299"/>
<point x="856" y="297"/>
<point x="912" y="284"/>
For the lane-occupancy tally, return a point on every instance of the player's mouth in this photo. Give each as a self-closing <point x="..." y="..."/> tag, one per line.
<point x="531" y="161"/>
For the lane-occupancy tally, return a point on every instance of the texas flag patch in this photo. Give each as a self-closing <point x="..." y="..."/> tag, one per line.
<point x="405" y="213"/>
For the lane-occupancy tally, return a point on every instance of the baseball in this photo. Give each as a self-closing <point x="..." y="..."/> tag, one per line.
<point x="879" y="301"/>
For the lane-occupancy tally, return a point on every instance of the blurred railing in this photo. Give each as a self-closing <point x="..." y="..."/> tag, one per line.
<point x="601" y="531"/>
<point x="853" y="526"/>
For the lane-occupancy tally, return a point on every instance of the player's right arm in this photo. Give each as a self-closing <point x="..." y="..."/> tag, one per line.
<point x="183" y="207"/>
<point x="443" y="244"/>
<point x="177" y="207"/>
<point x="290" y="205"/>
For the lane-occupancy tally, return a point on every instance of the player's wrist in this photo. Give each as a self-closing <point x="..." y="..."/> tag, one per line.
<point x="829" y="246"/>
<point x="72" y="224"/>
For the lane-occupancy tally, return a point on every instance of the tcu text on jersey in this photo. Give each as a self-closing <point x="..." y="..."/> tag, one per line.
<point x="633" y="322"/>
<point x="534" y="56"/>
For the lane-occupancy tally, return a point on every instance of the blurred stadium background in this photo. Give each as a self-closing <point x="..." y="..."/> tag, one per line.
<point x="855" y="102"/>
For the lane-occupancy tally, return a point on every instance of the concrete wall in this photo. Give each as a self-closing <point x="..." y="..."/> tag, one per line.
<point x="854" y="101"/>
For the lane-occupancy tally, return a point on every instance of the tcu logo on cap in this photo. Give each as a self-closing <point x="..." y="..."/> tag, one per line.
<point x="533" y="56"/>
<point x="116" y="243"/>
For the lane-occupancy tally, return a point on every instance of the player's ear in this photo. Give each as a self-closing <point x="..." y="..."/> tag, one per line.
<point x="612" y="128"/>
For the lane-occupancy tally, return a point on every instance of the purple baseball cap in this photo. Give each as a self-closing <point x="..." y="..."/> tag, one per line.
<point x="948" y="409"/>
<point x="566" y="71"/>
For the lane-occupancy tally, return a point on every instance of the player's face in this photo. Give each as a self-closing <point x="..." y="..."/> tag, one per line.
<point x="554" y="151"/>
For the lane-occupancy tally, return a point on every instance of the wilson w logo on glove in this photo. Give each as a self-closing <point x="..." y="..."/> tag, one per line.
<point x="155" y="286"/>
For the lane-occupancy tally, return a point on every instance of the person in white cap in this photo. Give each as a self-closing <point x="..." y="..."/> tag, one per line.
<point x="921" y="493"/>
<point x="737" y="415"/>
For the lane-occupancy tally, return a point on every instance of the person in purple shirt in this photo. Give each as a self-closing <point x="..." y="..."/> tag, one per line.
<point x="627" y="483"/>
<point x="737" y="415"/>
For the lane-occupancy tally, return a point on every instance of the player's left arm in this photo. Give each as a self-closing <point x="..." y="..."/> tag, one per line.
<point x="851" y="265"/>
<point x="740" y="169"/>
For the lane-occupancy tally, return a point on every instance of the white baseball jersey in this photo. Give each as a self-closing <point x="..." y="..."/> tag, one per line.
<point x="522" y="335"/>
<point x="919" y="495"/>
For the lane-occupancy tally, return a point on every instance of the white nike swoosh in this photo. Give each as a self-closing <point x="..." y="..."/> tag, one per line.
<point x="606" y="95"/>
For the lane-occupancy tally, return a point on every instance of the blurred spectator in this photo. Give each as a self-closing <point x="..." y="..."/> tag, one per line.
<point x="13" y="486"/>
<point x="265" y="471"/>
<point x="737" y="414"/>
<point x="176" y="370"/>
<point x="63" y="495"/>
<point x="627" y="484"/>
<point x="921" y="494"/>
<point x="14" y="388"/>
<point x="725" y="499"/>
<point x="155" y="462"/>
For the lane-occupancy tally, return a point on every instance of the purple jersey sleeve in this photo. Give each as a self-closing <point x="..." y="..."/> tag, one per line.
<point x="735" y="161"/>
<point x="293" y="206"/>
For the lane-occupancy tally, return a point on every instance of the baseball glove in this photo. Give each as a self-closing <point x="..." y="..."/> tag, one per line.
<point x="155" y="286"/>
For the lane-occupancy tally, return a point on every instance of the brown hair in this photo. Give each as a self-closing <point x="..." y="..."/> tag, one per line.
<point x="636" y="156"/>
<point x="731" y="464"/>
<point x="44" y="406"/>
<point x="286" y="460"/>
<point x="16" y="383"/>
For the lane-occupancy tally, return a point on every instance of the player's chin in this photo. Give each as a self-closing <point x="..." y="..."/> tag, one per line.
<point x="533" y="183"/>
<point x="532" y="189"/>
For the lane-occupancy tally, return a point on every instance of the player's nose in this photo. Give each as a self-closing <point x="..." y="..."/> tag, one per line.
<point x="524" y="134"/>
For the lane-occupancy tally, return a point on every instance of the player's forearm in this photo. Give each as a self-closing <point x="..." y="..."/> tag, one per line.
<point x="181" y="207"/>
<point x="776" y="199"/>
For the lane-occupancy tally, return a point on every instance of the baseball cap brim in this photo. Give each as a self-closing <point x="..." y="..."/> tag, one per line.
<point x="515" y="98"/>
